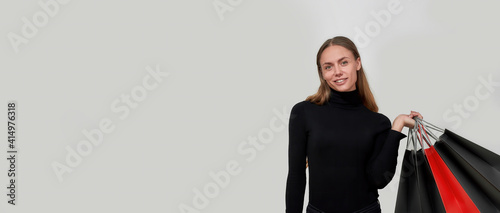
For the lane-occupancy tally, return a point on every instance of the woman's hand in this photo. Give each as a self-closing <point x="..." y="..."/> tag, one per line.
<point x="405" y="120"/>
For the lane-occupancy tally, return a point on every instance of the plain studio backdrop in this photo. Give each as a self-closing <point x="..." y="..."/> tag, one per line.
<point x="182" y="106"/>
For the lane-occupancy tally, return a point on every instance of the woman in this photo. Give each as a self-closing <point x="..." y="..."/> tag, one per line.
<point x="351" y="149"/>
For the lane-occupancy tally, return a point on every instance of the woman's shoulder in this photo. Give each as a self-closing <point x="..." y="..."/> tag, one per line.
<point x="300" y="106"/>
<point x="382" y="120"/>
<point x="378" y="118"/>
<point x="305" y="105"/>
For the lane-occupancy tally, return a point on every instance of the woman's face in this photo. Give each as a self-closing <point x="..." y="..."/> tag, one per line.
<point x="339" y="67"/>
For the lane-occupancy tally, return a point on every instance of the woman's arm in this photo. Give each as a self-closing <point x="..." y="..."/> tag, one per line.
<point x="297" y="151"/>
<point x="382" y="164"/>
<point x="405" y="120"/>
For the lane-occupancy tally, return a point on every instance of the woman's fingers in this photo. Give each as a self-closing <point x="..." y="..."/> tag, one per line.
<point x="413" y="114"/>
<point x="408" y="119"/>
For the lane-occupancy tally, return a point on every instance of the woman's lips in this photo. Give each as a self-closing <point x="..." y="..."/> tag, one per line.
<point x="342" y="82"/>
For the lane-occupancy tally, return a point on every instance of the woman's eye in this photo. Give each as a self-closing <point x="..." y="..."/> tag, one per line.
<point x="344" y="63"/>
<point x="328" y="67"/>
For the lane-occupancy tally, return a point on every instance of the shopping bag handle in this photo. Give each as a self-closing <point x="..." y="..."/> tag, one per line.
<point x="421" y="135"/>
<point x="427" y="124"/>
<point x="415" y="137"/>
<point x="425" y="138"/>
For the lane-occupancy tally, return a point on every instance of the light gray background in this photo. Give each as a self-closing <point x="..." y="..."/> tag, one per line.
<point x="228" y="79"/>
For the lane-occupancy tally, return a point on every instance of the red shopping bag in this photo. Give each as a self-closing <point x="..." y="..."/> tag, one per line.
<point x="454" y="197"/>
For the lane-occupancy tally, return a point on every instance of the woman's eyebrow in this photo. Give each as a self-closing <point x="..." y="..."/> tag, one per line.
<point x="343" y="58"/>
<point x="337" y="60"/>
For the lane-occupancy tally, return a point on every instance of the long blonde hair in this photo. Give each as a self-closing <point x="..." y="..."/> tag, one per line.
<point x="362" y="83"/>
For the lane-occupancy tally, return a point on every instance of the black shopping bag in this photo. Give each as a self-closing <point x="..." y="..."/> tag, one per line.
<point x="417" y="192"/>
<point x="476" y="168"/>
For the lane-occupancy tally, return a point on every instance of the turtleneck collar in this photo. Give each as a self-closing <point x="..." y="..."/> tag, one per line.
<point x="351" y="98"/>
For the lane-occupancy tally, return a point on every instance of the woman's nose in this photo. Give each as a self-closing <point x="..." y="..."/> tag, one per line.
<point x="336" y="71"/>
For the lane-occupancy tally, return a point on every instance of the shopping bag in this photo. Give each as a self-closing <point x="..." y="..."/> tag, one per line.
<point x="474" y="167"/>
<point x="479" y="191"/>
<point x="417" y="192"/>
<point x="454" y="197"/>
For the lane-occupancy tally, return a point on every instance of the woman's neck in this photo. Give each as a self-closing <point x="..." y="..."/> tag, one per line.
<point x="350" y="98"/>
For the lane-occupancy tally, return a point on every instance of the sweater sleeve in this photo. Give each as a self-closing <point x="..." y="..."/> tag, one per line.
<point x="297" y="151"/>
<point x="382" y="164"/>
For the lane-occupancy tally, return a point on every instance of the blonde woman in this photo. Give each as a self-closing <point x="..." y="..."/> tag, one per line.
<point x="351" y="149"/>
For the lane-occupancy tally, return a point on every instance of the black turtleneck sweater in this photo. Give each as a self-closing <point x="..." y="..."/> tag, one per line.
<point x="352" y="152"/>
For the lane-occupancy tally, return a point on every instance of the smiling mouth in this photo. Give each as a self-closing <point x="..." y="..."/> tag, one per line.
<point x="340" y="80"/>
